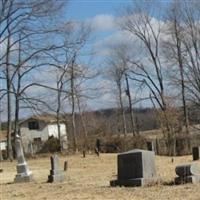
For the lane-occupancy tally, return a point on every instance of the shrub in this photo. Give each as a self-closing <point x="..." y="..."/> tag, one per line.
<point x="51" y="145"/>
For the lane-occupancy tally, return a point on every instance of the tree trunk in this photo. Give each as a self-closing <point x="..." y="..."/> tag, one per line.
<point x="130" y="106"/>
<point x="9" y="120"/>
<point x="58" y="117"/>
<point x="122" y="110"/>
<point x="73" y="108"/>
<point x="84" y="126"/>
<point x="180" y="63"/>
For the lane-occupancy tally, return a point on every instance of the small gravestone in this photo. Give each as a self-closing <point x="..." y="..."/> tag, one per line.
<point x="56" y="174"/>
<point x="136" y="168"/>
<point x="150" y="146"/>
<point x="65" y="166"/>
<point x="23" y="173"/>
<point x="196" y="153"/>
<point x="189" y="173"/>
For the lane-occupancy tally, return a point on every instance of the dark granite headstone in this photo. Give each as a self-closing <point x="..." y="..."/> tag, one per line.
<point x="136" y="168"/>
<point x="56" y="174"/>
<point x="189" y="173"/>
<point x="23" y="173"/>
<point x="65" y="166"/>
<point x="196" y="153"/>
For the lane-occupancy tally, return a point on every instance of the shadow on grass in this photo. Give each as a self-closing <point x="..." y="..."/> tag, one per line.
<point x="168" y="183"/>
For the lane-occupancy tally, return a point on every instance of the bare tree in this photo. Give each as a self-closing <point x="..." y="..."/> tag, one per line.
<point x="148" y="66"/>
<point x="191" y="42"/>
<point x="176" y="52"/>
<point x="117" y="69"/>
<point x="18" y="17"/>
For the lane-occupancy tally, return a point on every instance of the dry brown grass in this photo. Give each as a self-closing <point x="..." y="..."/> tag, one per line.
<point x="88" y="178"/>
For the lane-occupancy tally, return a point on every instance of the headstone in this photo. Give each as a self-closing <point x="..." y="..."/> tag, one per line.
<point x="189" y="173"/>
<point x="150" y="146"/>
<point x="83" y="153"/>
<point x="98" y="146"/>
<point x="23" y="172"/>
<point x="65" y="166"/>
<point x="136" y="168"/>
<point x="56" y="174"/>
<point x="196" y="153"/>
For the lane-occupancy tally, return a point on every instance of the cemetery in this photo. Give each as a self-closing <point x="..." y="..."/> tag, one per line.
<point x="99" y="99"/>
<point x="90" y="177"/>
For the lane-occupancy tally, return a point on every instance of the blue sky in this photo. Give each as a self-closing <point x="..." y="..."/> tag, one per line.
<point x="102" y="13"/>
<point x="83" y="9"/>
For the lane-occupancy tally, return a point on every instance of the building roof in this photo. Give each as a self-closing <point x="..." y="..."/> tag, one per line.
<point x="47" y="118"/>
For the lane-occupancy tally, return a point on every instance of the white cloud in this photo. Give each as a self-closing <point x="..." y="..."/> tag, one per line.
<point x="102" y="48"/>
<point x="102" y="22"/>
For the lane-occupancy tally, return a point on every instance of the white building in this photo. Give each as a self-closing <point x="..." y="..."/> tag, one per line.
<point x="3" y="141"/>
<point x="38" y="129"/>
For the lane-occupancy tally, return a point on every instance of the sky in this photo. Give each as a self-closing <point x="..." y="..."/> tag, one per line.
<point x="101" y="14"/>
<point x="83" y="9"/>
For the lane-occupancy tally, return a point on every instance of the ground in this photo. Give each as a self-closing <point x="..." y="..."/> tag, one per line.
<point x="88" y="178"/>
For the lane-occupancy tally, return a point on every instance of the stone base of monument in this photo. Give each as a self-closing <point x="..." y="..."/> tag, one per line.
<point x="58" y="176"/>
<point x="23" y="174"/>
<point x="134" y="182"/>
<point x="20" y="178"/>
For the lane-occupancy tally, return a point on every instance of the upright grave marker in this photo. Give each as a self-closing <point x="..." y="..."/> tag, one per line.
<point x="56" y="174"/>
<point x="23" y="173"/>
<point x="196" y="153"/>
<point x="136" y="168"/>
<point x="151" y="146"/>
<point x="189" y="173"/>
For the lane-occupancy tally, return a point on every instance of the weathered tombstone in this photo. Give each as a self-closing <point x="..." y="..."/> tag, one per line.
<point x="136" y="168"/>
<point x="189" y="173"/>
<point x="150" y="146"/>
<point x="83" y="153"/>
<point x="23" y="173"/>
<point x="65" y="166"/>
<point x="97" y="146"/>
<point x="56" y="174"/>
<point x="196" y="153"/>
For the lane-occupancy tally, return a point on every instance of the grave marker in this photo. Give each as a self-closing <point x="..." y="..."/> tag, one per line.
<point x="23" y="172"/>
<point x="56" y="174"/>
<point x="136" y="168"/>
<point x="189" y="173"/>
<point x="196" y="153"/>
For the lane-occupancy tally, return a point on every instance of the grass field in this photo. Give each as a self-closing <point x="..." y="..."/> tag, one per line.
<point x="88" y="178"/>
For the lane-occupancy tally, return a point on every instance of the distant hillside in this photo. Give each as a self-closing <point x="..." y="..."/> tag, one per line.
<point x="110" y="120"/>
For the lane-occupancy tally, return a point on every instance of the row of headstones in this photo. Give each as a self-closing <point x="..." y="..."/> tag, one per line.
<point x="25" y="175"/>
<point x="137" y="168"/>
<point x="195" y="150"/>
<point x="56" y="173"/>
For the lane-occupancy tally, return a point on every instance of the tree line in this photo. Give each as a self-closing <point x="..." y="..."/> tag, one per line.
<point x="41" y="51"/>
